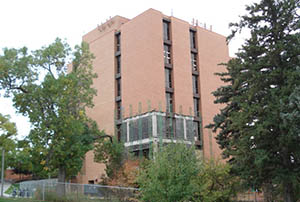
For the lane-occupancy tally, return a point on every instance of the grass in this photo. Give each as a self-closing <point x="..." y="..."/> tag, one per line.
<point x="18" y="200"/>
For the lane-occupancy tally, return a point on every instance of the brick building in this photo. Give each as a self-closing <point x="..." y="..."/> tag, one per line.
<point x="155" y="78"/>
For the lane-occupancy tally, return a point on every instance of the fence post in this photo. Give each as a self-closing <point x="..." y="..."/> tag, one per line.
<point x="43" y="191"/>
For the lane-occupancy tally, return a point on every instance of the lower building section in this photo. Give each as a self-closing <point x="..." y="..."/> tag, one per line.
<point x="144" y="133"/>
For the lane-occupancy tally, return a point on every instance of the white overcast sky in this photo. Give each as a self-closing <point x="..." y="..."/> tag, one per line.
<point x="35" y="23"/>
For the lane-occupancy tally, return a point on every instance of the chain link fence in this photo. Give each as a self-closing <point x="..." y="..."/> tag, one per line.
<point x="51" y="190"/>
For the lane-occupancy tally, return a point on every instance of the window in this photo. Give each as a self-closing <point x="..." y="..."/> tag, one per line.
<point x="170" y="127"/>
<point x="118" y="42"/>
<point x="195" y="84"/>
<point x="169" y="99"/>
<point x="118" y="64"/>
<point x="119" y="132"/>
<point x="166" y="27"/>
<point x="118" y="87"/>
<point x="194" y="61"/>
<point x="197" y="131"/>
<point x="193" y="39"/>
<point x="167" y="54"/>
<point x="119" y="109"/>
<point x="168" y="78"/>
<point x="196" y="107"/>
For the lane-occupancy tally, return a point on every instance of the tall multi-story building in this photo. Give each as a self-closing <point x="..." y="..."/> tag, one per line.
<point x="155" y="83"/>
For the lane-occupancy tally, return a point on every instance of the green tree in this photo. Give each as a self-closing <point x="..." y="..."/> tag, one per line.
<point x="215" y="183"/>
<point x="110" y="152"/>
<point x="21" y="162"/>
<point x="252" y="132"/>
<point x="169" y="176"/>
<point x="8" y="132"/>
<point x="55" y="102"/>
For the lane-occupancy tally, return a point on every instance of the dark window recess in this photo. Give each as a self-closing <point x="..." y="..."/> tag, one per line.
<point x="193" y="39"/>
<point x="119" y="132"/>
<point x="118" y="87"/>
<point x="197" y="131"/>
<point x="168" y="78"/>
<point x="144" y="152"/>
<point x="119" y="111"/>
<point x="166" y="27"/>
<point x="195" y="84"/>
<point x="118" y="64"/>
<point x="194" y="61"/>
<point x="169" y="99"/>
<point x="167" y="54"/>
<point x="118" y="42"/>
<point x="196" y="107"/>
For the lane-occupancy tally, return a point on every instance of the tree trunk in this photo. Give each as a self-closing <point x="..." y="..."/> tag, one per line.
<point x="268" y="192"/>
<point x="60" y="188"/>
<point x="288" y="192"/>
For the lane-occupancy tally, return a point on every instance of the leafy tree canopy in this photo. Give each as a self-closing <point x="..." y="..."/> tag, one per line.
<point x="7" y="132"/>
<point x="55" y="100"/>
<point x="256" y="128"/>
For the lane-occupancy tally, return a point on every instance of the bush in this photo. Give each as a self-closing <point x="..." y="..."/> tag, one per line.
<point x="169" y="177"/>
<point x="175" y="174"/>
<point x="215" y="183"/>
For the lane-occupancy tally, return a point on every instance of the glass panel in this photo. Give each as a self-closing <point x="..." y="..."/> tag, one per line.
<point x="118" y="87"/>
<point x="118" y="64"/>
<point x="170" y="123"/>
<point x="168" y="78"/>
<point x="196" y="107"/>
<point x="169" y="98"/>
<point x="194" y="61"/>
<point x="195" y="84"/>
<point x="197" y="131"/>
<point x="118" y="110"/>
<point x="167" y="54"/>
<point x="193" y="39"/>
<point x="118" y="42"/>
<point x="166" y="27"/>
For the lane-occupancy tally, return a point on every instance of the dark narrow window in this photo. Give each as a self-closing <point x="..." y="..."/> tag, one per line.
<point x="166" y="27"/>
<point x="193" y="39"/>
<point x="169" y="99"/>
<point x="168" y="78"/>
<point x="119" y="131"/>
<point x="167" y="54"/>
<point x="118" y="64"/>
<point x="195" y="84"/>
<point x="118" y="42"/>
<point x="196" y="107"/>
<point x="118" y="87"/>
<point x="197" y="130"/>
<point x="118" y="110"/>
<point x="194" y="61"/>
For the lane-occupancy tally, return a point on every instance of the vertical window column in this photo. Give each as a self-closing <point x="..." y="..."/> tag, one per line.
<point x="118" y="83"/>
<point x="168" y="65"/>
<point x="196" y="92"/>
<point x="167" y="44"/>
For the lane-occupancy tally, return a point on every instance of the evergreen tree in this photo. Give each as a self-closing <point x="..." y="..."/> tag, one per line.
<point x="256" y="128"/>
